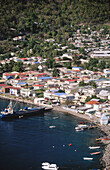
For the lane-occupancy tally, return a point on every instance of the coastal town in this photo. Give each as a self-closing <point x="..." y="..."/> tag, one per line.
<point x="80" y="85"/>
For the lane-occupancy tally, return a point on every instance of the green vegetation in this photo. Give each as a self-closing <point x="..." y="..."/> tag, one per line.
<point x="91" y="83"/>
<point x="12" y="66"/>
<point x="57" y="20"/>
<point x="94" y="97"/>
<point x="94" y="64"/>
<point x="50" y="18"/>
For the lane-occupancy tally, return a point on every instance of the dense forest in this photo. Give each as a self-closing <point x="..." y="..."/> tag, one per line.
<point x="49" y="17"/>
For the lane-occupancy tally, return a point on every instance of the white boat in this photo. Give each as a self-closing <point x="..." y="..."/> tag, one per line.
<point x="52" y="126"/>
<point x="94" y="147"/>
<point x="88" y="159"/>
<point x="82" y="126"/>
<point x="78" y="129"/>
<point x="49" y="166"/>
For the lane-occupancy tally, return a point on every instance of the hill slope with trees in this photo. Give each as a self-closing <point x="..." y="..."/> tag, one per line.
<point x="49" y="17"/>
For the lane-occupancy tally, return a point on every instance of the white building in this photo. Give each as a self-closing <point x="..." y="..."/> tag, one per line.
<point x="104" y="119"/>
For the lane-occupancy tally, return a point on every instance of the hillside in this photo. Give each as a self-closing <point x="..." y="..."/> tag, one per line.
<point x="49" y="17"/>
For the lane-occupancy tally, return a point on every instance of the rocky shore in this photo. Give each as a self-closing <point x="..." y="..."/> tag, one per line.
<point x="105" y="160"/>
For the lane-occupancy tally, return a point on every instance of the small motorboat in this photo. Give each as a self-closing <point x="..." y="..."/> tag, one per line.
<point x="88" y="159"/>
<point x="105" y="138"/>
<point x="49" y="166"/>
<point x="94" y="147"/>
<point x="83" y="126"/>
<point x="95" y="153"/>
<point x="78" y="129"/>
<point x="52" y="126"/>
<point x="99" y="139"/>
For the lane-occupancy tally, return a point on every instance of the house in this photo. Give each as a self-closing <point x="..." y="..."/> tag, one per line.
<point x="14" y="91"/>
<point x="90" y="112"/>
<point x="104" y="119"/>
<point x="62" y="97"/>
<point x="3" y="85"/>
<point x="21" y="84"/>
<point x="10" y="75"/>
<point x="5" y="89"/>
<point x="38" y="86"/>
<point x="70" y="81"/>
<point x="103" y="94"/>
<point x="26" y="92"/>
<point x="91" y="103"/>
<point x="48" y="94"/>
<point x="39" y="100"/>
<point x="101" y="54"/>
<point x="107" y="72"/>
<point x="77" y="69"/>
<point x="44" y="78"/>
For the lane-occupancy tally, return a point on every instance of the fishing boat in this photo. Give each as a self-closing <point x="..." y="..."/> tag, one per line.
<point x="9" y="113"/>
<point x="78" y="129"/>
<point x="94" y="147"/>
<point x="95" y="153"/>
<point x="105" y="138"/>
<point x="83" y="126"/>
<point x="83" y="122"/>
<point x="49" y="166"/>
<point x="89" y="159"/>
<point x="52" y="127"/>
<point x="98" y="139"/>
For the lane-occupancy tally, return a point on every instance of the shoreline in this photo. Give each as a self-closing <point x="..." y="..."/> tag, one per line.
<point x="105" y="159"/>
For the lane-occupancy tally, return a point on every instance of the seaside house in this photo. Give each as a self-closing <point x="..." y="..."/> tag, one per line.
<point x="48" y="94"/>
<point x="26" y="92"/>
<point x="14" y="91"/>
<point x="90" y="112"/>
<point x="62" y="97"/>
<point x="103" y="94"/>
<point x="5" y="89"/>
<point x="39" y="100"/>
<point x="91" y="103"/>
<point x="104" y="119"/>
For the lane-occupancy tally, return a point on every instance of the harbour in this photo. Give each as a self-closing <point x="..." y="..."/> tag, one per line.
<point x="27" y="143"/>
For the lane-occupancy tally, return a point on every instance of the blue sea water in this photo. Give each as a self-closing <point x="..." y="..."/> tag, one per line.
<point x="27" y="142"/>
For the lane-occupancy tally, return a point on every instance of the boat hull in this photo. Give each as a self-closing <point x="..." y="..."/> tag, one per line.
<point x="21" y="114"/>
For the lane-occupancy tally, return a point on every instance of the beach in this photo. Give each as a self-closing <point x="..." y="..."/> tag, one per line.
<point x="105" y="160"/>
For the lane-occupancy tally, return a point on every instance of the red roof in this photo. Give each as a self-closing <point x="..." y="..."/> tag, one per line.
<point x="71" y="80"/>
<point x="39" y="85"/>
<point x="41" y="74"/>
<point x="6" y="87"/>
<point x="10" y="74"/>
<point x="91" y="102"/>
<point x="16" y="88"/>
<point x="24" y="58"/>
<point x="3" y="85"/>
<point x="76" y="70"/>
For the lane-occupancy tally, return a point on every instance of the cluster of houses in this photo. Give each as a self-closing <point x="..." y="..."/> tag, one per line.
<point x="42" y="88"/>
<point x="63" y="90"/>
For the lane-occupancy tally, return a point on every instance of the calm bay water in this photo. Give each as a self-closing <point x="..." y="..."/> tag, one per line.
<point x="27" y="142"/>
